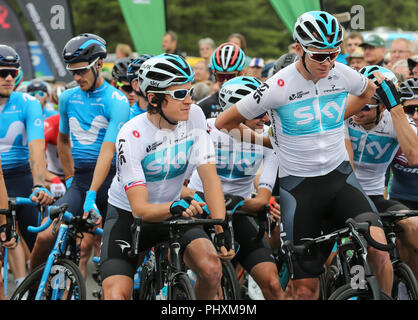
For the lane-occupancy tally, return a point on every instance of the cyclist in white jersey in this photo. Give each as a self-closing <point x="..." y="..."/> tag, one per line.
<point x="307" y="103"/>
<point x="375" y="135"/>
<point x="154" y="152"/>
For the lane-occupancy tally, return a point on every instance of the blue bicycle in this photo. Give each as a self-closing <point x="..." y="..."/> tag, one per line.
<point x="59" y="278"/>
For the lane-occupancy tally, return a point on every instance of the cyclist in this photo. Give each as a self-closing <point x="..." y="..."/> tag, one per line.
<point x="306" y="103"/>
<point x="227" y="62"/>
<point x="154" y="152"/>
<point x="39" y="89"/>
<point x="375" y="135"/>
<point x="92" y="114"/>
<point x="21" y="143"/>
<point x="132" y="74"/>
<point x="120" y="80"/>
<point x="284" y="61"/>
<point x="237" y="164"/>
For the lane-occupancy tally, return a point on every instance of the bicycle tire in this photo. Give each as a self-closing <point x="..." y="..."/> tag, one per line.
<point x="146" y="284"/>
<point x="180" y="288"/>
<point x="76" y="289"/>
<point x="403" y="274"/>
<point x="230" y="286"/>
<point x="346" y="292"/>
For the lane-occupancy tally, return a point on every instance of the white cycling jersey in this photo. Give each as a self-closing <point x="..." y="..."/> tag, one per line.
<point x="159" y="159"/>
<point x="307" y="117"/>
<point x="237" y="162"/>
<point x="373" y="151"/>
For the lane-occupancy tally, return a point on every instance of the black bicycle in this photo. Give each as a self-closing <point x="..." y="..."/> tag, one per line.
<point x="164" y="275"/>
<point x="404" y="282"/>
<point x="358" y="283"/>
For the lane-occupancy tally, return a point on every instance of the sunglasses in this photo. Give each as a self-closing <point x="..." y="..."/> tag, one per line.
<point x="82" y="70"/>
<point x="223" y="77"/>
<point x="39" y="93"/>
<point x="261" y="116"/>
<point x="125" y="87"/>
<point x="368" y="107"/>
<point x="4" y="73"/>
<point x="411" y="109"/>
<point x="179" y="94"/>
<point x="322" y="56"/>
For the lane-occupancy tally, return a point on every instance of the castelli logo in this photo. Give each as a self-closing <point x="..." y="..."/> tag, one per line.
<point x="280" y="82"/>
<point x="136" y="134"/>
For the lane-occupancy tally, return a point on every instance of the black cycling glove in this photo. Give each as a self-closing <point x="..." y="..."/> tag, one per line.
<point x="232" y="202"/>
<point x="388" y="94"/>
<point x="177" y="207"/>
<point x="223" y="239"/>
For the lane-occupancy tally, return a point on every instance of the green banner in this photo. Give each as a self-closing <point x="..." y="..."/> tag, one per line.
<point x="146" y="23"/>
<point x="290" y="10"/>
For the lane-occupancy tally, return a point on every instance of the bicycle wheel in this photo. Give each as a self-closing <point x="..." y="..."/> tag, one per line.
<point x="347" y="293"/>
<point x="180" y="288"/>
<point x="146" y="285"/>
<point x="229" y="282"/>
<point x="404" y="283"/>
<point x="65" y="282"/>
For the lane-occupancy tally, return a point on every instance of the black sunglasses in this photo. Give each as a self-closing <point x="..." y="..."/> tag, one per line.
<point x="4" y="73"/>
<point x="125" y="87"/>
<point x="411" y="109"/>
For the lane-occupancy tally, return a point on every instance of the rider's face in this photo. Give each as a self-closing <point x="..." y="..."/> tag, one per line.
<point x="318" y="70"/>
<point x="7" y="83"/>
<point x="86" y="78"/>
<point x="364" y="117"/>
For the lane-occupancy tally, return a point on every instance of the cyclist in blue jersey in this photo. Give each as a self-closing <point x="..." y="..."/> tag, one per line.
<point x="91" y="115"/>
<point x="39" y="90"/>
<point x="155" y="150"/>
<point x="21" y="143"/>
<point x="132" y="73"/>
<point x="120" y="80"/>
<point x="375" y="135"/>
<point x="307" y="102"/>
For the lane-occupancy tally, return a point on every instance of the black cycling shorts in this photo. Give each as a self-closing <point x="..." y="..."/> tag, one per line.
<point x="315" y="205"/>
<point x="383" y="204"/>
<point x="117" y="240"/>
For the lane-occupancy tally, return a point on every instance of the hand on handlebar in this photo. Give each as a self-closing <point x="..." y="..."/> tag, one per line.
<point x="274" y="210"/>
<point x="42" y="196"/>
<point x="223" y="243"/>
<point x="91" y="212"/>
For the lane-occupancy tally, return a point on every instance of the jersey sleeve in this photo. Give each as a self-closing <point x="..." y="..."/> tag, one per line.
<point x="269" y="171"/>
<point x="118" y="114"/>
<point x="33" y="117"/>
<point x="64" y="125"/>
<point x="356" y="81"/>
<point x="129" y="156"/>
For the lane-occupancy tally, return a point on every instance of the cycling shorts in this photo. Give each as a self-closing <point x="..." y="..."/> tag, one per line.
<point x="117" y="241"/>
<point x="383" y="205"/>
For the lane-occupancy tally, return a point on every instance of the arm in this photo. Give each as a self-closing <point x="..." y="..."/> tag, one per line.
<point x="356" y="103"/>
<point x="64" y="153"/>
<point x="103" y="164"/>
<point x="349" y="151"/>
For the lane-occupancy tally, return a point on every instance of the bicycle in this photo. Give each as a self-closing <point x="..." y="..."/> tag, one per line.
<point x="161" y="273"/>
<point x="404" y="278"/>
<point x="352" y="256"/>
<point x="59" y="278"/>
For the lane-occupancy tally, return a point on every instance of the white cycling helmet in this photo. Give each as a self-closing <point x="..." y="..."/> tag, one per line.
<point x="318" y="29"/>
<point x="409" y="89"/>
<point x="235" y="89"/>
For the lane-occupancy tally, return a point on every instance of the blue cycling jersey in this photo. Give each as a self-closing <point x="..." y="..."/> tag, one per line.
<point x="91" y="118"/>
<point x="135" y="110"/>
<point x="21" y="122"/>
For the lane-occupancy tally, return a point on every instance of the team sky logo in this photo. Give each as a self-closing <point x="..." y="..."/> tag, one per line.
<point x="259" y="92"/>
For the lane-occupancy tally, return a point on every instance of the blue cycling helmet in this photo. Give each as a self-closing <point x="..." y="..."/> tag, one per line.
<point x="9" y="57"/>
<point x="235" y="89"/>
<point x="163" y="71"/>
<point x="135" y="65"/>
<point x="318" y="29"/>
<point x="227" y="57"/>
<point x="86" y="47"/>
<point x="19" y="78"/>
<point x="37" y="85"/>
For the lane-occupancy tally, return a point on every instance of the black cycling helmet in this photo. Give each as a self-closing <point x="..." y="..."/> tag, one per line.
<point x="37" y="85"/>
<point x="133" y="67"/>
<point x="284" y="61"/>
<point x="86" y="47"/>
<point x="9" y="57"/>
<point x="120" y="69"/>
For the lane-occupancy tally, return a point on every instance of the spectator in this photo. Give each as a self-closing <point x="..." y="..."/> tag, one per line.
<point x="374" y="50"/>
<point x="206" y="48"/>
<point x="201" y="72"/>
<point x="240" y="40"/>
<point x="267" y="71"/>
<point x="400" y="49"/>
<point x="413" y="65"/>
<point x="123" y="51"/>
<point x="292" y="48"/>
<point x="356" y="59"/>
<point x="400" y="67"/>
<point x="350" y="43"/>
<point x="255" y="67"/>
<point x="169" y="43"/>
<point x="201" y="90"/>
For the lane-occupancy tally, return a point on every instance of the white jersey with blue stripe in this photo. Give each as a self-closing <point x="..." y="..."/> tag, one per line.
<point x="91" y="118"/>
<point x="373" y="151"/>
<point x="20" y="123"/>
<point x="237" y="163"/>
<point x="307" y="118"/>
<point x="159" y="159"/>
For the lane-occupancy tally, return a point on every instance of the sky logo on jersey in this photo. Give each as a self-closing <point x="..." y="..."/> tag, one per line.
<point x="167" y="163"/>
<point x="371" y="148"/>
<point x="313" y="115"/>
<point x="235" y="165"/>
